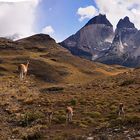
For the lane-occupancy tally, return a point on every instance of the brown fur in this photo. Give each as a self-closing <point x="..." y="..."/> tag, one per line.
<point x="50" y="115"/>
<point x="69" y="114"/>
<point x="121" y="109"/>
<point x="23" y="69"/>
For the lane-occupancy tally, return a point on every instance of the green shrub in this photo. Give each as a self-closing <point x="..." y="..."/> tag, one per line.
<point x="127" y="120"/>
<point x="93" y="114"/>
<point x="83" y="102"/>
<point x="132" y="119"/>
<point x="60" y="119"/>
<point x="32" y="136"/>
<point x="62" y="112"/>
<point x="89" y="121"/>
<point x="112" y="115"/>
<point x="29" y="117"/>
<point x="73" y="102"/>
<point x="83" y="125"/>
<point x="52" y="89"/>
<point x="127" y="82"/>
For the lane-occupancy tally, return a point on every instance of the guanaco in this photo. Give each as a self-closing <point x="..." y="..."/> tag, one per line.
<point x="50" y="116"/>
<point x="121" y="109"/>
<point x="69" y="114"/>
<point x="23" y="69"/>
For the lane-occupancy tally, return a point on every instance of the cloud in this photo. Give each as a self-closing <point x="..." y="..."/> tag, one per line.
<point x="17" y="17"/>
<point x="16" y="0"/>
<point x="86" y="12"/>
<point x="48" y="30"/>
<point x="117" y="9"/>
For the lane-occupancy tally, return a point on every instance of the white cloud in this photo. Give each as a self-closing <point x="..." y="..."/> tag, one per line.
<point x="48" y="30"/>
<point x="117" y="9"/>
<point x="16" y="0"/>
<point x="86" y="12"/>
<point x="17" y="17"/>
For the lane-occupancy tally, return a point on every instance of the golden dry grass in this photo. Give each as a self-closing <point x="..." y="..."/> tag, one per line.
<point x="57" y="79"/>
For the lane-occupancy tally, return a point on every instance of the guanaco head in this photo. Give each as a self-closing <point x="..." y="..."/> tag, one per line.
<point x="28" y="61"/>
<point x="121" y="105"/>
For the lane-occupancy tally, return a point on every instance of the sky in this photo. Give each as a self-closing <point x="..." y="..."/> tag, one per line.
<point x="60" y="18"/>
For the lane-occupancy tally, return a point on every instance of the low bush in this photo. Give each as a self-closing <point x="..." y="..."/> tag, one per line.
<point x="52" y="89"/>
<point x="73" y="102"/>
<point x="29" y="117"/>
<point x="127" y="82"/>
<point x="60" y="119"/>
<point x="93" y="114"/>
<point x="126" y="121"/>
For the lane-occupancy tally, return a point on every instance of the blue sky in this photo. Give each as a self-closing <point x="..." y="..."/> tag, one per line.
<point x="65" y="20"/>
<point x="60" y="18"/>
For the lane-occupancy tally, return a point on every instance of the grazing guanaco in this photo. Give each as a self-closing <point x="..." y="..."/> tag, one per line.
<point x="23" y="69"/>
<point x="121" y="109"/>
<point x="69" y="114"/>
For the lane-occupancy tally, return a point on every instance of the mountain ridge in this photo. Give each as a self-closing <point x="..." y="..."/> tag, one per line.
<point x="97" y="41"/>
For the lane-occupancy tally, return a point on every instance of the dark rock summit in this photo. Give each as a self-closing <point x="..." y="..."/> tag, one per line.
<point x="125" y="23"/>
<point x="92" y="40"/>
<point x="100" y="19"/>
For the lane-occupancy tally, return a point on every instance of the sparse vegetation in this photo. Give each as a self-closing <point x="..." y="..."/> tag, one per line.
<point x="29" y="117"/>
<point x="93" y="114"/>
<point x="127" y="82"/>
<point x="60" y="119"/>
<point x="73" y="102"/>
<point x="93" y="90"/>
<point x="52" y="89"/>
<point x="33" y="134"/>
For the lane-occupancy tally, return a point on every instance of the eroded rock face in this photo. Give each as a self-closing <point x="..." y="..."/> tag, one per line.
<point x="92" y="40"/>
<point x="97" y="41"/>
<point x="125" y="48"/>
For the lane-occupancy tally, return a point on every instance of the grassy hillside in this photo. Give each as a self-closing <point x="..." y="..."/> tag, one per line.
<point x="50" y="62"/>
<point x="57" y="79"/>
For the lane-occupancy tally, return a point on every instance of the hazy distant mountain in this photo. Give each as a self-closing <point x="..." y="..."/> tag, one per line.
<point x="13" y="37"/>
<point x="97" y="41"/>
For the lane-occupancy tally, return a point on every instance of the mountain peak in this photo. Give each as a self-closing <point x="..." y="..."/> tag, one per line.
<point x="100" y="19"/>
<point x="125" y="23"/>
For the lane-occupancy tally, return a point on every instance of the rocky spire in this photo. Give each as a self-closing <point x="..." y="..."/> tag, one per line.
<point x="125" y="23"/>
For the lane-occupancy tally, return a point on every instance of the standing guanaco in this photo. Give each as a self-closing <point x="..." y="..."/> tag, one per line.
<point x="50" y="116"/>
<point x="23" y="69"/>
<point x="69" y="114"/>
<point x="121" y="109"/>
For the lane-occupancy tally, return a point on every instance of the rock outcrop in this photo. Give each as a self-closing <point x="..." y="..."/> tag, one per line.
<point x="98" y="42"/>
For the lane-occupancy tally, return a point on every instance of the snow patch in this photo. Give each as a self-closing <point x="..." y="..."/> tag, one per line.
<point x="94" y="57"/>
